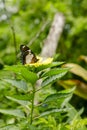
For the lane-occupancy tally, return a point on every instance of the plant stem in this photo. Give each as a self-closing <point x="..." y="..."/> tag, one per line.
<point x="32" y="107"/>
<point x="38" y="34"/>
<point x="14" y="40"/>
<point x="12" y="28"/>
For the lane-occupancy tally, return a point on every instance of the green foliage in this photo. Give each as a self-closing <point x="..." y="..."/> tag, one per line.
<point x="19" y="84"/>
<point x="15" y="112"/>
<point x="23" y="83"/>
<point x="52" y="107"/>
<point x="24" y="103"/>
<point x="51" y="79"/>
<point x="28" y="15"/>
<point x="59" y="95"/>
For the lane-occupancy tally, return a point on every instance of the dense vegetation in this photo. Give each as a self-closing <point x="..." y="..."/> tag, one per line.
<point x="52" y="94"/>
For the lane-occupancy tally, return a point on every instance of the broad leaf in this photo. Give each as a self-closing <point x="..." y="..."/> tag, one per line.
<point x="62" y="94"/>
<point x="54" y="72"/>
<point x="14" y="68"/>
<point x="27" y="97"/>
<point x="53" y="78"/>
<point x="56" y="64"/>
<point x="77" y="70"/>
<point x="9" y="127"/>
<point x="45" y="66"/>
<point x="20" y="84"/>
<point x="83" y="57"/>
<point x="58" y="100"/>
<point x="81" y="87"/>
<point x="29" y="76"/>
<point x="53" y="111"/>
<point x="16" y="112"/>
<point x="21" y="102"/>
<point x="71" y="114"/>
<point x="24" y="72"/>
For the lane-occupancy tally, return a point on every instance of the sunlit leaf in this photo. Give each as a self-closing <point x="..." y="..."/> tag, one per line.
<point x="77" y="70"/>
<point x="44" y="66"/>
<point x="83" y="57"/>
<point x="81" y="87"/>
<point x="75" y="118"/>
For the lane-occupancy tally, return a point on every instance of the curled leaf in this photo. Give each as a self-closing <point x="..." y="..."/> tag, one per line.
<point x="77" y="70"/>
<point x="81" y="87"/>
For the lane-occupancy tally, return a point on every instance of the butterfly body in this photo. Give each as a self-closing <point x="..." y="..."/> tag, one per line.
<point x="27" y="56"/>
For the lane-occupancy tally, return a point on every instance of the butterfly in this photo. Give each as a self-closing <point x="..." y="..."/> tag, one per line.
<point x="27" y="56"/>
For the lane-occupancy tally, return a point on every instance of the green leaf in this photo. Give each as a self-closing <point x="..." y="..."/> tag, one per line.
<point x="54" y="72"/>
<point x="32" y="127"/>
<point x="42" y="67"/>
<point x="53" y="78"/>
<point x="71" y="114"/>
<point x="57" y="96"/>
<point x="20" y="84"/>
<point x="77" y="70"/>
<point x="21" y="102"/>
<point x="53" y="111"/>
<point x="26" y="97"/>
<point x="29" y="76"/>
<point x="45" y="66"/>
<point x="71" y="90"/>
<point x="16" y="112"/>
<point x="80" y="90"/>
<point x="56" y="64"/>
<point x="24" y="72"/>
<point x="59" y="99"/>
<point x="14" y="68"/>
<point x="9" y="127"/>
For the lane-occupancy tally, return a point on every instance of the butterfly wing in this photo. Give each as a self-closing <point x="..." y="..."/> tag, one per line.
<point x="27" y="56"/>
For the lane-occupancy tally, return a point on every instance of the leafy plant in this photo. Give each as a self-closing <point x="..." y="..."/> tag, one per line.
<point x="18" y="83"/>
<point x="26" y="91"/>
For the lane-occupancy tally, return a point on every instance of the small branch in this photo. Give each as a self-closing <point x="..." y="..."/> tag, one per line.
<point x="53" y="37"/>
<point x="38" y="34"/>
<point x="14" y="40"/>
<point x="12" y="28"/>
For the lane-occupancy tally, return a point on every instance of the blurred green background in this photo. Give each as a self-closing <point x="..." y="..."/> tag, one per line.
<point x="21" y="22"/>
<point x="27" y="18"/>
